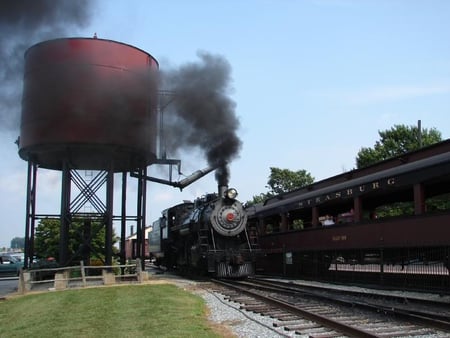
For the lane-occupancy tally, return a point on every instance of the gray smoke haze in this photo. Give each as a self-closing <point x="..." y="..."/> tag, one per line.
<point x="22" y="24"/>
<point x="202" y="114"/>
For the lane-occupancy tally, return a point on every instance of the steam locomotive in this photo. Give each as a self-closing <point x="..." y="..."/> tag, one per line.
<point x="209" y="236"/>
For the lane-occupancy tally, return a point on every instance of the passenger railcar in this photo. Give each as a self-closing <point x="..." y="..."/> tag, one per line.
<point x="209" y="236"/>
<point x="388" y="223"/>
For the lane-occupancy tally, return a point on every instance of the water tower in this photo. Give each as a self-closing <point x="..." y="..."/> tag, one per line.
<point x="88" y="104"/>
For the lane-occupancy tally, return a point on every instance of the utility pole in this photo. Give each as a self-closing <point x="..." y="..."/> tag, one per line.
<point x="419" y="128"/>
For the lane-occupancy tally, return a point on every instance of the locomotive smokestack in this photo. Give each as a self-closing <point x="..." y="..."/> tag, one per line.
<point x="202" y="114"/>
<point x="222" y="189"/>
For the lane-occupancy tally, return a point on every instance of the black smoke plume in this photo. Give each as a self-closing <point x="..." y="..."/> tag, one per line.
<point x="201" y="113"/>
<point x="22" y="24"/>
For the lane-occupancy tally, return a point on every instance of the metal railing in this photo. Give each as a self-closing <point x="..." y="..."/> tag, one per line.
<point x="60" y="278"/>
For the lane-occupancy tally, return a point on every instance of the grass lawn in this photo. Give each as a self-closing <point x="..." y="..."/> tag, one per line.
<point x="123" y="311"/>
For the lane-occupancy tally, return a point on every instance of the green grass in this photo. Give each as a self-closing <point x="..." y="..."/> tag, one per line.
<point x="122" y="311"/>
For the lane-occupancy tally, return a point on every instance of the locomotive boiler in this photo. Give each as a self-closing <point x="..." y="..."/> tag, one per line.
<point x="209" y="236"/>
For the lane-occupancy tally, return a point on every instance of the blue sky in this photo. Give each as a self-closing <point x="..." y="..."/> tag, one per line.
<point x="313" y="82"/>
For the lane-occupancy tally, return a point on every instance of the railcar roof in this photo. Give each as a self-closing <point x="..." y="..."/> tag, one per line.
<point x="397" y="161"/>
<point x="424" y="164"/>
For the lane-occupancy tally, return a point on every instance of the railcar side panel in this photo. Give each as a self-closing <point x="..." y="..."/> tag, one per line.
<point x="425" y="230"/>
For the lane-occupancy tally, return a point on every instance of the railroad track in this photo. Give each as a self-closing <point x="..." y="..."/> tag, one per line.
<point x="435" y="313"/>
<point x="307" y="314"/>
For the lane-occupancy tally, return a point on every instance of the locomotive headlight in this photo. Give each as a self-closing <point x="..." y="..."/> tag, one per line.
<point x="231" y="193"/>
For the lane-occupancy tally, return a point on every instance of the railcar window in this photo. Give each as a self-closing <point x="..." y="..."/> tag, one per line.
<point x="297" y="224"/>
<point x="438" y="203"/>
<point x="395" y="209"/>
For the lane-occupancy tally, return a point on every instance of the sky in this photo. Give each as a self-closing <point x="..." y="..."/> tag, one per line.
<point x="312" y="82"/>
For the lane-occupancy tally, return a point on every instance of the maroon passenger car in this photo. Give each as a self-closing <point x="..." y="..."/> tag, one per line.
<point x="387" y="223"/>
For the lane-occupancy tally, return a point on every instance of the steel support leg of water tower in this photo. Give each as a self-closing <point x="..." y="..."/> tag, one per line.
<point x="141" y="215"/>
<point x="30" y="214"/>
<point x="65" y="216"/>
<point x="109" y="216"/>
<point x="123" y="218"/>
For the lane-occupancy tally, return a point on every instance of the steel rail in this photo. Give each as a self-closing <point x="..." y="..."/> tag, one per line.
<point x="435" y="320"/>
<point x="330" y="323"/>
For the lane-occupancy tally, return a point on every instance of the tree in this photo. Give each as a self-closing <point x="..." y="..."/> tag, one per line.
<point x="258" y="198"/>
<point x="18" y="243"/>
<point x="281" y="181"/>
<point x="285" y="180"/>
<point x="396" y="141"/>
<point x="46" y="239"/>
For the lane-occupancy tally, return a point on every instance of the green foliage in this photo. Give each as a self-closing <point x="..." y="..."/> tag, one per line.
<point x="297" y="224"/>
<point x="396" y="141"/>
<point x="258" y="199"/>
<point x="47" y="238"/>
<point x="18" y="243"/>
<point x="395" y="209"/>
<point x="269" y="228"/>
<point x="438" y="203"/>
<point x="283" y="180"/>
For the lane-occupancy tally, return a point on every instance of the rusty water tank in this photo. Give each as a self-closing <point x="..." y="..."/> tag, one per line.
<point x="90" y="103"/>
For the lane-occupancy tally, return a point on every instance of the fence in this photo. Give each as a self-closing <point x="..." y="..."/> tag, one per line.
<point x="80" y="276"/>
